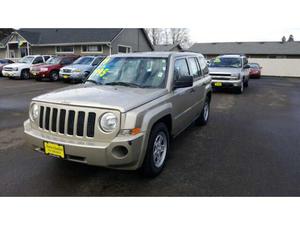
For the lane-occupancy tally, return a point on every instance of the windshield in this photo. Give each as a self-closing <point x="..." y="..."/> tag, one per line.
<point x="226" y="62"/>
<point x="53" y="60"/>
<point x="26" y="59"/>
<point x="254" y="65"/>
<point x="84" y="60"/>
<point x="131" y="71"/>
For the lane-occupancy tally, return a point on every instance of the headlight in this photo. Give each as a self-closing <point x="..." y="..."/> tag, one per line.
<point x="44" y="69"/>
<point x="236" y="76"/>
<point x="34" y="111"/>
<point x="15" y="68"/>
<point x="108" y="122"/>
<point x="76" y="71"/>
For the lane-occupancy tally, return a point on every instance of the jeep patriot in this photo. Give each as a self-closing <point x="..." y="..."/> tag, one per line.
<point x="124" y="115"/>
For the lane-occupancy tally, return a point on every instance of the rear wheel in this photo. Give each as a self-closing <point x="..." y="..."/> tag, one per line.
<point x="54" y="75"/>
<point x="204" y="116"/>
<point x="24" y="75"/>
<point x="157" y="150"/>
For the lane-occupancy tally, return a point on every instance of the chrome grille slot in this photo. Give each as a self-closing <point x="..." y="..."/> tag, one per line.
<point x="47" y="118"/>
<point x="91" y="124"/>
<point x="70" y="122"/>
<point x="62" y="118"/>
<point x="80" y="123"/>
<point x="41" y="117"/>
<point x="54" y="120"/>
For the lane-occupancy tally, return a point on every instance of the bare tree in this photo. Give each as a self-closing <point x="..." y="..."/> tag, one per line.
<point x="167" y="36"/>
<point x="155" y="35"/>
<point x="291" y="38"/>
<point x="180" y="36"/>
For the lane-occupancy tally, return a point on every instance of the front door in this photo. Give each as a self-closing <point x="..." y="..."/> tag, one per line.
<point x="182" y="99"/>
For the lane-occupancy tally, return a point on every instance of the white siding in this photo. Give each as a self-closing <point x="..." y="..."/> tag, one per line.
<point x="278" y="67"/>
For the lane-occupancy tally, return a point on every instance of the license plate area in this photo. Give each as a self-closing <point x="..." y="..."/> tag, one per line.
<point x="53" y="149"/>
<point x="218" y="84"/>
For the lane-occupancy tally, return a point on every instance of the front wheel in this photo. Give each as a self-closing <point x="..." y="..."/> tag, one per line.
<point x="25" y="75"/>
<point x="157" y="150"/>
<point x="240" y="89"/>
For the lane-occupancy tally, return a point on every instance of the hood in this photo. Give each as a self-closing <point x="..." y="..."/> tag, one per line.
<point x="78" y="66"/>
<point x="110" y="97"/>
<point x="44" y="65"/>
<point x="14" y="65"/>
<point x="224" y="70"/>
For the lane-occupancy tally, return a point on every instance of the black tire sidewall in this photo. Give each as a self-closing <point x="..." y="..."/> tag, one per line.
<point x="52" y="76"/>
<point x="148" y="168"/>
<point x="23" y="72"/>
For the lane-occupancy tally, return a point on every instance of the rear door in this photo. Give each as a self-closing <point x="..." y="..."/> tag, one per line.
<point x="198" y="92"/>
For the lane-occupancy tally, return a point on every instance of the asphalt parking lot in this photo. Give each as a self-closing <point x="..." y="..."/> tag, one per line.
<point x="251" y="147"/>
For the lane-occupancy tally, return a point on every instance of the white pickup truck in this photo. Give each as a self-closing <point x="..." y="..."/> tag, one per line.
<point x="21" y="69"/>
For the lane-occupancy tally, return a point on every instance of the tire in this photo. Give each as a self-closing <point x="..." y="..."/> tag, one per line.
<point x="204" y="116"/>
<point x="38" y="79"/>
<point x="157" y="151"/>
<point x="24" y="75"/>
<point x="246" y="84"/>
<point x="240" y="89"/>
<point x="54" y="76"/>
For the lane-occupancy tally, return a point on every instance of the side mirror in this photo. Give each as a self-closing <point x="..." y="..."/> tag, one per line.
<point x="247" y="66"/>
<point x="183" y="82"/>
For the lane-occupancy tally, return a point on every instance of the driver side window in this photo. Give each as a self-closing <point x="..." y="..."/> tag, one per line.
<point x="38" y="60"/>
<point x="181" y="68"/>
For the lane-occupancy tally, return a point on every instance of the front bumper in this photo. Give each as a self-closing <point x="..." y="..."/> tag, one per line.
<point x="72" y="76"/>
<point x="225" y="83"/>
<point x="39" y="74"/>
<point x="10" y="73"/>
<point x="91" y="152"/>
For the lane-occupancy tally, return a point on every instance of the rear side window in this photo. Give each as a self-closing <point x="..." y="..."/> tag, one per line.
<point x="97" y="61"/>
<point x="203" y="65"/>
<point x="194" y="67"/>
<point x="66" y="61"/>
<point x="181" y="68"/>
<point x="46" y="57"/>
<point x="38" y="60"/>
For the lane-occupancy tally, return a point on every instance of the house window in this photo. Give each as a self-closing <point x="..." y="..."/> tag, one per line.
<point x="124" y="49"/>
<point x="92" y="48"/>
<point x="64" y="49"/>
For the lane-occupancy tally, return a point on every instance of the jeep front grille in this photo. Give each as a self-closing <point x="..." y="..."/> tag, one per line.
<point x="70" y="122"/>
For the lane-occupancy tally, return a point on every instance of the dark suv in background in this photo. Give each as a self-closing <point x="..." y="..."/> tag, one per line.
<point x="51" y="68"/>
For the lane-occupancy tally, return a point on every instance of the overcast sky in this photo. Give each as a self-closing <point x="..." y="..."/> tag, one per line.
<point x="208" y="21"/>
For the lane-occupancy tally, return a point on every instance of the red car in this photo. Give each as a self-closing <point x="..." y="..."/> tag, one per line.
<point x="51" y="68"/>
<point x="4" y="62"/>
<point x="255" y="70"/>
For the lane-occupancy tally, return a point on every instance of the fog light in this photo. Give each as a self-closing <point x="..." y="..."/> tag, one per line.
<point x="119" y="152"/>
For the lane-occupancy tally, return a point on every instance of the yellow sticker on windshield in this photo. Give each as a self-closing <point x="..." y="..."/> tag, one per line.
<point x="217" y="60"/>
<point x="102" y="71"/>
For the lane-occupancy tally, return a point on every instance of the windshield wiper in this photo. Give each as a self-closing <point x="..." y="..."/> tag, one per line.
<point x="123" y="84"/>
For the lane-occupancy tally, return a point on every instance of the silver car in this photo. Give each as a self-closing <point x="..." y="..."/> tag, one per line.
<point x="230" y="71"/>
<point x="126" y="112"/>
<point x="80" y="68"/>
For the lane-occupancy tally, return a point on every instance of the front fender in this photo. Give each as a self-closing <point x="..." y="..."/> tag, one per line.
<point x="150" y="118"/>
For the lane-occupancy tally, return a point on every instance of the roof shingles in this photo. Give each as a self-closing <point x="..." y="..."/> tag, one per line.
<point x="254" y="48"/>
